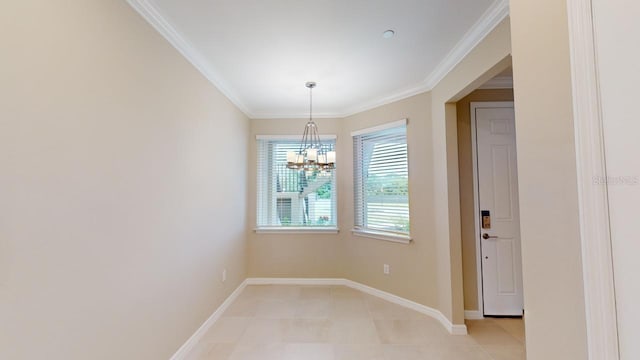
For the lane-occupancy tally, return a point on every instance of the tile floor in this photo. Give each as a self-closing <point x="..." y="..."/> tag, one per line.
<point x="336" y="322"/>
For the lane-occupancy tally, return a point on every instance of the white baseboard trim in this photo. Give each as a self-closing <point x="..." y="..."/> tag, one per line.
<point x="436" y="314"/>
<point x="186" y="348"/>
<point x="473" y="315"/>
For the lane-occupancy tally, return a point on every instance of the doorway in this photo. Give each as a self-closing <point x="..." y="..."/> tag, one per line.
<point x="497" y="222"/>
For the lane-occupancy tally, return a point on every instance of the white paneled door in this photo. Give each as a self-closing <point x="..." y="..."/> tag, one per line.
<point x="498" y="213"/>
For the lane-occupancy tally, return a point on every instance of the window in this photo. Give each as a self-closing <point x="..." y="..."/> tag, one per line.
<point x="290" y="199"/>
<point x="381" y="183"/>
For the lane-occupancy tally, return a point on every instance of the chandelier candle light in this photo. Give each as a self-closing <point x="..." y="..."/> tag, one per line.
<point x="311" y="156"/>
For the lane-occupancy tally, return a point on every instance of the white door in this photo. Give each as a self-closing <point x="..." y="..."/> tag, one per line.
<point x="499" y="218"/>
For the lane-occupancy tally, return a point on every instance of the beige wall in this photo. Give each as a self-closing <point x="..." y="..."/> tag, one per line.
<point x="413" y="273"/>
<point x="117" y="216"/>
<point x="552" y="269"/>
<point x="467" y="209"/>
<point x="487" y="59"/>
<point x="294" y="254"/>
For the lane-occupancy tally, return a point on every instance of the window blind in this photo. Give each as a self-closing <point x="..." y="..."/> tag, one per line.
<point x="290" y="198"/>
<point x="381" y="174"/>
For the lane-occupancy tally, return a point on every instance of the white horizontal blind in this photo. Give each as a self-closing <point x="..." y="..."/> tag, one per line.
<point x="291" y="198"/>
<point x="381" y="181"/>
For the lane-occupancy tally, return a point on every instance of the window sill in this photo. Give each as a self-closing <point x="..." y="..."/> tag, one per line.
<point x="297" y="230"/>
<point x="380" y="235"/>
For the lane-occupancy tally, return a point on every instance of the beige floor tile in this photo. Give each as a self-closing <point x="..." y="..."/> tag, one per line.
<point x="211" y="351"/>
<point x="226" y="330"/>
<point x="447" y="340"/>
<point x="454" y="352"/>
<point x="264" y="331"/>
<point x="422" y="352"/>
<point x="308" y="352"/>
<point x="506" y="352"/>
<point x="242" y="307"/>
<point x="272" y="292"/>
<point x="353" y="331"/>
<point x="515" y="327"/>
<point x="401" y="331"/>
<point x="345" y="292"/>
<point x="312" y="309"/>
<point x="220" y="351"/>
<point x="275" y="309"/>
<point x="404" y="352"/>
<point x="358" y="352"/>
<point x="315" y="293"/>
<point x="307" y="331"/>
<point x="381" y="309"/>
<point x="430" y="326"/>
<point x="491" y="334"/>
<point x="199" y="351"/>
<point x="436" y="335"/>
<point x="271" y="351"/>
<point x="348" y="308"/>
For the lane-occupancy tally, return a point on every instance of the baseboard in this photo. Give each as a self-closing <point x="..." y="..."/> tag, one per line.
<point x="186" y="348"/>
<point x="436" y="314"/>
<point x="473" y="315"/>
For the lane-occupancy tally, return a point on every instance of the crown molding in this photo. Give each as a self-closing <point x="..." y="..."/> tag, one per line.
<point x="299" y="116"/>
<point x="393" y="97"/>
<point x="173" y="36"/>
<point x="494" y="15"/>
<point x="498" y="11"/>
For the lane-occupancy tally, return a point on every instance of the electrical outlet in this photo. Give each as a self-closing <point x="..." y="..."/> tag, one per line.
<point x="224" y="275"/>
<point x="386" y="269"/>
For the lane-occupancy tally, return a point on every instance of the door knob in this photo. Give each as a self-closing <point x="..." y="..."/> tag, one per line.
<point x="486" y="236"/>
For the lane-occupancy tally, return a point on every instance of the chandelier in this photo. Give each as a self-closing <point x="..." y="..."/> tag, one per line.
<point x="312" y="156"/>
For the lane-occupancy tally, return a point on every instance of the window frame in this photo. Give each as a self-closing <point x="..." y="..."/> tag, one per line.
<point x="264" y="182"/>
<point x="364" y="231"/>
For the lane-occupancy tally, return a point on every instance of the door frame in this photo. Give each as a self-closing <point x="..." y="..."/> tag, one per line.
<point x="476" y="193"/>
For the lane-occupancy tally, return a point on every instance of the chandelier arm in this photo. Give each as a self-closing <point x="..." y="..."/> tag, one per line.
<point x="303" y="143"/>
<point x="317" y="139"/>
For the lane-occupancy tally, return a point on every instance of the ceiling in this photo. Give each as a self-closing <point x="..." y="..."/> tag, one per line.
<point x="260" y="53"/>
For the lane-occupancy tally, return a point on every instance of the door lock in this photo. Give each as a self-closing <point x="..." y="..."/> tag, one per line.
<point x="487" y="236"/>
<point x="486" y="219"/>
